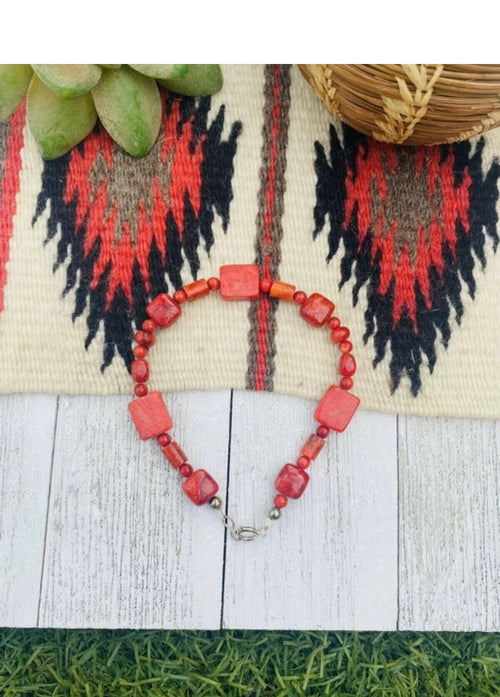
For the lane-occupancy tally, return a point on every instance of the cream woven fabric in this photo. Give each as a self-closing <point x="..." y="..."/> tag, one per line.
<point x="402" y="240"/>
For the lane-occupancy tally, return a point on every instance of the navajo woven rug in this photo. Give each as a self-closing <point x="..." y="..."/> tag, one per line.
<point x="403" y="240"/>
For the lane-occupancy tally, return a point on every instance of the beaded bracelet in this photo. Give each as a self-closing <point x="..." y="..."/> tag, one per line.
<point x="152" y="419"/>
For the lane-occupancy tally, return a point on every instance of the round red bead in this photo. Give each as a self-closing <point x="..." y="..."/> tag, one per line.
<point x="139" y="338"/>
<point x="347" y="365"/>
<point x="213" y="283"/>
<point x="140" y="370"/>
<point x="180" y="296"/>
<point x="185" y="470"/>
<point x="334" y="322"/>
<point x="322" y="431"/>
<point x="265" y="285"/>
<point x="149" y="326"/>
<point x="140" y="351"/>
<point x="339" y="334"/>
<point x="303" y="462"/>
<point x="280" y="501"/>
<point x="345" y="346"/>
<point x="346" y="383"/>
<point x="299" y="297"/>
<point x="141" y="390"/>
<point x="164" y="439"/>
<point x="149" y="339"/>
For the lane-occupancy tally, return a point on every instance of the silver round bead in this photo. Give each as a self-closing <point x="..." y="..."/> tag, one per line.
<point x="215" y="502"/>
<point x="275" y="513"/>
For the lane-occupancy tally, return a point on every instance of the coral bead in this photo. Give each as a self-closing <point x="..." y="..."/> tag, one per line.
<point x="139" y="338"/>
<point x="334" y="322"/>
<point x="163" y="310"/>
<point x="282" y="291"/>
<point x="149" y="339"/>
<point x="149" y="326"/>
<point x="197" y="289"/>
<point x="150" y="415"/>
<point x="200" y="487"/>
<point x="140" y="351"/>
<point x="141" y="390"/>
<point x="174" y="454"/>
<point x="345" y="346"/>
<point x="339" y="334"/>
<point x="213" y="283"/>
<point x="291" y="481"/>
<point x="317" y="309"/>
<point x="280" y="501"/>
<point x="265" y="285"/>
<point x="164" y="439"/>
<point x="303" y="462"/>
<point x="180" y="296"/>
<point x="347" y="366"/>
<point x="322" y="431"/>
<point x="140" y="370"/>
<point x="239" y="282"/>
<point x="346" y="383"/>
<point x="313" y="446"/>
<point x="299" y="297"/>
<point x="336" y="408"/>
<point x="185" y="470"/>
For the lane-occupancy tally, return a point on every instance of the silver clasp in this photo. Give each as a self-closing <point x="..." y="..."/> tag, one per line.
<point x="246" y="533"/>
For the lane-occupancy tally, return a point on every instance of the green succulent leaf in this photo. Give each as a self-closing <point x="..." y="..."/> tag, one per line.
<point x="199" y="80"/>
<point x="69" y="81"/>
<point x="58" y="124"/>
<point x="129" y="107"/>
<point x="14" y="81"/>
<point x="161" y="72"/>
<point x="111" y="66"/>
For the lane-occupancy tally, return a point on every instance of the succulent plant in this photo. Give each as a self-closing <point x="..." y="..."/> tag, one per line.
<point x="64" y="102"/>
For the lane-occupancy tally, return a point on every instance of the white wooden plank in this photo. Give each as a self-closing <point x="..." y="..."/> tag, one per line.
<point x="125" y="547"/>
<point x="330" y="562"/>
<point x="103" y="567"/>
<point x="450" y="531"/>
<point x="26" y="436"/>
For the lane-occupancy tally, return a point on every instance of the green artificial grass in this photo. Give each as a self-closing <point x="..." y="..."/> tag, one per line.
<point x="95" y="663"/>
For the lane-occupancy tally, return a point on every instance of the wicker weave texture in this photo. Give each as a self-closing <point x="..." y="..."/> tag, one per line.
<point x="411" y="104"/>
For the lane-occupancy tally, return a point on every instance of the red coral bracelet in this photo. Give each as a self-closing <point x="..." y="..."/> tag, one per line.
<point x="333" y="412"/>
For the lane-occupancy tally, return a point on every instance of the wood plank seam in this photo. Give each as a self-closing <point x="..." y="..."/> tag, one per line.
<point x="42" y="571"/>
<point x="398" y="526"/>
<point x="226" y="531"/>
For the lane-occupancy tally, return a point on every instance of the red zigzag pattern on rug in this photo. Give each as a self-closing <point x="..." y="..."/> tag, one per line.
<point x="124" y="226"/>
<point x="414" y="222"/>
<point x="11" y="145"/>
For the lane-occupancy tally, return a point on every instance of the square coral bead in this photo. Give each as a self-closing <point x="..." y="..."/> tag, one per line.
<point x="200" y="487"/>
<point x="164" y="310"/>
<point x="291" y="481"/>
<point x="150" y="415"/>
<point x="239" y="282"/>
<point x="317" y="309"/>
<point x="336" y="408"/>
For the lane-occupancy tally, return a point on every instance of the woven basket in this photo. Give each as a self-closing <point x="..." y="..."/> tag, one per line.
<point x="412" y="104"/>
